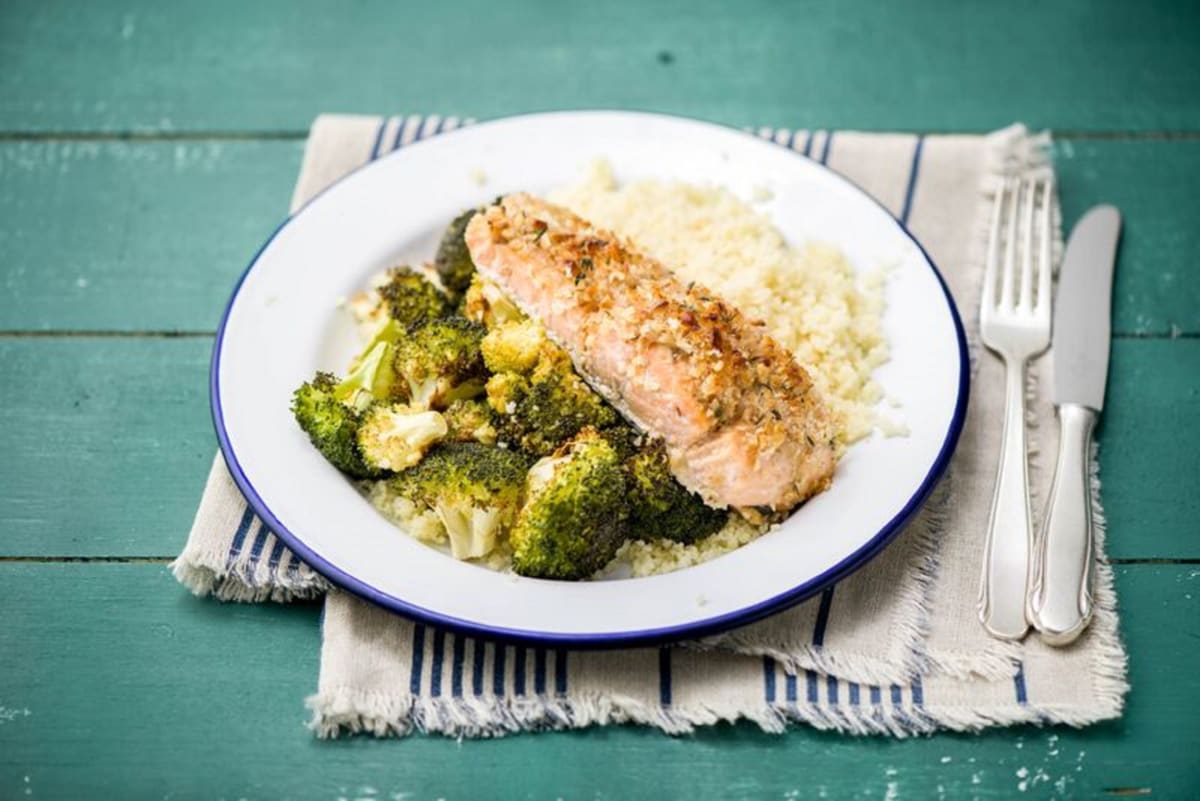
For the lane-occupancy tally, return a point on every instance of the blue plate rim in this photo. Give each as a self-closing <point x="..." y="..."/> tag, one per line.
<point x="622" y="639"/>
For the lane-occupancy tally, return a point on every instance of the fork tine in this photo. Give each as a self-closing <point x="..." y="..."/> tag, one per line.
<point x="992" y="264"/>
<point x="1046" y="266"/>
<point x="1008" y="273"/>
<point x="1025" y="302"/>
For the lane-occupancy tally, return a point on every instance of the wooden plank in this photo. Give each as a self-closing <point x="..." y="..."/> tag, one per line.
<point x="1157" y="284"/>
<point x="1147" y="437"/>
<point x="133" y="236"/>
<point x="114" y="442"/>
<point x="152" y="235"/>
<point x="192" y="699"/>
<point x="141" y="65"/>
<point x="109" y="443"/>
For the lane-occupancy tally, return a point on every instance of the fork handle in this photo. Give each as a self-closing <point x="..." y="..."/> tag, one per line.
<point x="1009" y="537"/>
<point x="1060" y="600"/>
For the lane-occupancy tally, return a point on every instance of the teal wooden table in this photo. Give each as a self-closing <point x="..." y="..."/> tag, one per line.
<point x="145" y="151"/>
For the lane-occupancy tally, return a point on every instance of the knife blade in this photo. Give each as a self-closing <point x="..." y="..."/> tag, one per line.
<point x="1082" y="319"/>
<point x="1060" y="602"/>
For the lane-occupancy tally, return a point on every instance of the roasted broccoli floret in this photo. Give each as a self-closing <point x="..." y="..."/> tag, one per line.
<point x="485" y="303"/>
<point x="414" y="309"/>
<point x="662" y="508"/>
<point x="332" y="412"/>
<point x="440" y="362"/>
<point x="453" y="259"/>
<point x="372" y="377"/>
<point x="475" y="491"/>
<point x="331" y="424"/>
<point x="574" y="516"/>
<point x="540" y="410"/>
<point x="470" y="421"/>
<point x="410" y="297"/>
<point x="516" y="347"/>
<point x="628" y="441"/>
<point x="392" y="436"/>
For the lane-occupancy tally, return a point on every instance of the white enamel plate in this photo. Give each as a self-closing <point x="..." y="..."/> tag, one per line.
<point x="283" y="324"/>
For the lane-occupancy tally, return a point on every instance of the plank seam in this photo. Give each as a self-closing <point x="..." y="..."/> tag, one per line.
<point x="89" y="559"/>
<point x="63" y="333"/>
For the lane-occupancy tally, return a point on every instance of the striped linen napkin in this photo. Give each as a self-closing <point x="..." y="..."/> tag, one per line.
<point x="895" y="648"/>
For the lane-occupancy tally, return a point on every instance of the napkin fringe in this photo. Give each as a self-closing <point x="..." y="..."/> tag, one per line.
<point x="251" y="568"/>
<point x="345" y="711"/>
<point x="232" y="586"/>
<point x="1110" y="675"/>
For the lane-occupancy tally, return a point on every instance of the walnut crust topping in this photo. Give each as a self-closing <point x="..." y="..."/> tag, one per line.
<point x="672" y="356"/>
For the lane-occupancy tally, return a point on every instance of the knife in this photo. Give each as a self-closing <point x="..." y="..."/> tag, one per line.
<point x="1060" y="602"/>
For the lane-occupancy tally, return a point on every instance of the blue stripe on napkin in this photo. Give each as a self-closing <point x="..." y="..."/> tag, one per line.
<point x="664" y="676"/>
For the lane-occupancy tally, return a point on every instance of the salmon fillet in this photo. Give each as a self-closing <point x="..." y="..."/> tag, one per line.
<point x="741" y="420"/>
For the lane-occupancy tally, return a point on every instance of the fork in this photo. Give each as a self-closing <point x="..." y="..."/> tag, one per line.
<point x="1015" y="323"/>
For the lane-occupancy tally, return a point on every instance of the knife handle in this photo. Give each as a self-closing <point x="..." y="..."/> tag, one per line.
<point x="1009" y="546"/>
<point x="1060" y="599"/>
